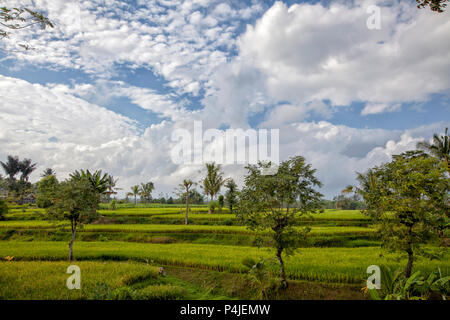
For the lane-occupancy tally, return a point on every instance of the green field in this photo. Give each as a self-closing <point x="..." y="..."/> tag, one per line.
<point x="341" y="246"/>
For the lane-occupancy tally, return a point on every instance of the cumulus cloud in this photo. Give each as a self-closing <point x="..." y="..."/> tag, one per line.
<point x="292" y="63"/>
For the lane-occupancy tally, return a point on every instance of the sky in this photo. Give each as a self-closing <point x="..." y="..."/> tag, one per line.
<point x="107" y="87"/>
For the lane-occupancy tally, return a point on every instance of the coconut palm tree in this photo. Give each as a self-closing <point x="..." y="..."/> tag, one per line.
<point x="146" y="191"/>
<point x="111" y="187"/>
<point x="439" y="148"/>
<point x="11" y="167"/>
<point x="213" y="181"/>
<point x="48" y="172"/>
<point x="186" y="185"/>
<point x="135" y="190"/>
<point x="26" y="168"/>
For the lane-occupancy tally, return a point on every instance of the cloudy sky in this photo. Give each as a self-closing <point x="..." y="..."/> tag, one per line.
<point x="107" y="87"/>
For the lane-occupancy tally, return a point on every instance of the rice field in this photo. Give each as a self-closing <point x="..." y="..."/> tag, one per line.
<point x="132" y="240"/>
<point x="340" y="265"/>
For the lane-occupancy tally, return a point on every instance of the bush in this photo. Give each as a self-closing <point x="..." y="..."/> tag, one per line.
<point x="212" y="206"/>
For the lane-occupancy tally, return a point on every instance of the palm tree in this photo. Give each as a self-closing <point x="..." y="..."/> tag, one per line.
<point x="48" y="172"/>
<point x="98" y="181"/>
<point x="26" y="168"/>
<point x="146" y="191"/>
<point x="186" y="185"/>
<point x="11" y="167"/>
<point x="440" y="148"/>
<point x="135" y="190"/>
<point x="213" y="181"/>
<point x="111" y="187"/>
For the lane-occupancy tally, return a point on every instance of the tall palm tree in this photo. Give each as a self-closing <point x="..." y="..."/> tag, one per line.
<point x="111" y="187"/>
<point x="48" y="172"/>
<point x="135" y="190"/>
<point x="439" y="148"/>
<point x="11" y="166"/>
<point x="26" y="168"/>
<point x="146" y="191"/>
<point x="213" y="181"/>
<point x="186" y="185"/>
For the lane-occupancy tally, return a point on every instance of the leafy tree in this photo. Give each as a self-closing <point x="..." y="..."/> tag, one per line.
<point x="213" y="181"/>
<point x="3" y="209"/>
<point x="48" y="172"/>
<point x="98" y="181"/>
<point x="273" y="202"/>
<point x="75" y="200"/>
<point x="135" y="190"/>
<point x="435" y="5"/>
<point x="231" y="194"/>
<point x="440" y="148"/>
<point x="12" y="19"/>
<point x="408" y="197"/>
<point x="46" y="191"/>
<point x="146" y="191"/>
<point x="187" y="185"/>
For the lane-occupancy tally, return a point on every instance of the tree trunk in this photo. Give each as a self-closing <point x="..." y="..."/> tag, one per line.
<point x="209" y="208"/>
<point x="135" y="200"/>
<point x="409" y="264"/>
<point x="187" y="206"/>
<point x="73" y="228"/>
<point x="284" y="283"/>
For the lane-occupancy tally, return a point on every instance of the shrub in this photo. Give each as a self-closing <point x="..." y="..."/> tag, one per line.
<point x="212" y="206"/>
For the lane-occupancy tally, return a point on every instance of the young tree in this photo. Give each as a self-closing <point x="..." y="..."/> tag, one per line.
<point x="408" y="197"/>
<point x="231" y="194"/>
<point x="111" y="187"/>
<point x="46" y="191"/>
<point x="186" y="185"/>
<point x="213" y="181"/>
<point x="75" y="200"/>
<point x="135" y="190"/>
<point x="273" y="202"/>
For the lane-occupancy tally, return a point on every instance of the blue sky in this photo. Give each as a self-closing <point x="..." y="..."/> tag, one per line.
<point x="110" y="83"/>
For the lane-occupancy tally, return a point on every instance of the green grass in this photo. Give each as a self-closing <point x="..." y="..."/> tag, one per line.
<point x="344" y="265"/>
<point x="47" y="280"/>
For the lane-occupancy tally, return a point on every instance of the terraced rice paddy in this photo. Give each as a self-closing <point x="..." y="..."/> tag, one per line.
<point x="342" y="245"/>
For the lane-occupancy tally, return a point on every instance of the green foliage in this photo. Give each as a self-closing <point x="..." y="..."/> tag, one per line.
<point x="394" y="286"/>
<point x="145" y="191"/>
<point x="261" y="276"/>
<point x="18" y="189"/>
<point x="408" y="198"/>
<point x="214" y="180"/>
<point x="3" y="209"/>
<point x="272" y="202"/>
<point x="46" y="191"/>
<point x="212" y="205"/>
<point x="113" y="204"/>
<point x="440" y="148"/>
<point x="231" y="194"/>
